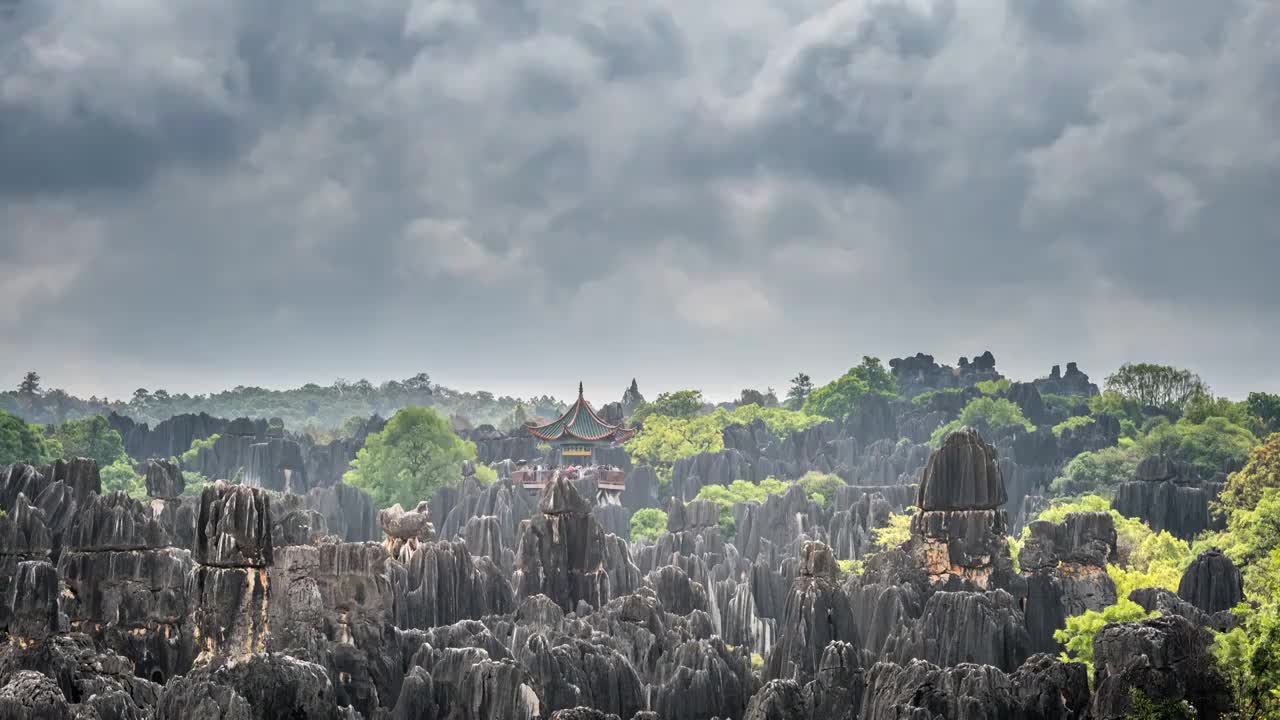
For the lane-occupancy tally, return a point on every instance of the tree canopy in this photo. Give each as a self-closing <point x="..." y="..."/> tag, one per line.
<point x="91" y="437"/>
<point x="22" y="442"/>
<point x="664" y="439"/>
<point x="678" y="404"/>
<point x="801" y="386"/>
<point x="985" y="413"/>
<point x="648" y="524"/>
<point x="841" y="396"/>
<point x="1161" y="386"/>
<point x="1261" y="472"/>
<point x="410" y="459"/>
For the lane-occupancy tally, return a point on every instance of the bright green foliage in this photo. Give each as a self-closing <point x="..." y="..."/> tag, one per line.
<point x="984" y="413"/>
<point x="1118" y="406"/>
<point x="1252" y="534"/>
<point x="1142" y="707"/>
<point x="486" y="475"/>
<point x="21" y="442"/>
<point x="678" y="404"/>
<point x="1262" y="471"/>
<point x="410" y="459"/>
<point x="1077" y="637"/>
<point x="1160" y="386"/>
<point x="1207" y="446"/>
<point x="663" y="440"/>
<point x="896" y="532"/>
<point x="841" y="396"/>
<point x="1265" y="408"/>
<point x="1062" y="404"/>
<point x="850" y="567"/>
<point x="648" y="524"/>
<point x="120" y="475"/>
<point x="1072" y="423"/>
<point x="757" y="662"/>
<point x="195" y="483"/>
<point x="1100" y="471"/>
<point x="1249" y="655"/>
<point x="740" y="491"/>
<point x="993" y="387"/>
<point x="924" y="398"/>
<point x="1134" y="548"/>
<point x="821" y="485"/>
<point x="1202" y="407"/>
<point x="780" y="421"/>
<point x="188" y="458"/>
<point x="90" y="437"/>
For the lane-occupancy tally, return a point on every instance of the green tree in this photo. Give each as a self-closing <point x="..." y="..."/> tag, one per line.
<point x="1142" y="707"/>
<point x="678" y="404"/>
<point x="749" y="396"/>
<point x="1077" y="637"/>
<point x="821" y="485"/>
<point x="663" y="440"/>
<point x="120" y="475"/>
<point x="189" y="457"/>
<point x="410" y="459"/>
<point x="801" y="386"/>
<point x="21" y="442"/>
<point x="1266" y="408"/>
<point x="91" y="437"/>
<point x="740" y="491"/>
<point x="1159" y="386"/>
<point x="993" y="387"/>
<point x="1249" y="654"/>
<point x="1073" y="424"/>
<point x="1099" y="471"/>
<point x="896" y="532"/>
<point x="1116" y="405"/>
<point x="1208" y="446"/>
<point x="841" y="396"/>
<point x="1261" y="472"/>
<point x="985" y="413"/>
<point x="30" y="385"/>
<point x="648" y="524"/>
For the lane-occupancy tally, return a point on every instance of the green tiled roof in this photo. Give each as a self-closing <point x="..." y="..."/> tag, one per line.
<point x="580" y="422"/>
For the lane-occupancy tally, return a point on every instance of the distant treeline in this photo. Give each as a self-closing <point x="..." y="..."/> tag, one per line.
<point x="310" y="407"/>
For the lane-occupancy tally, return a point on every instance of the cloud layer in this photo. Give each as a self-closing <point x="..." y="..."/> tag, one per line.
<point x="518" y="193"/>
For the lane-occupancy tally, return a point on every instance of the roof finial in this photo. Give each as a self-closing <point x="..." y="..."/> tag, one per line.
<point x="579" y="389"/>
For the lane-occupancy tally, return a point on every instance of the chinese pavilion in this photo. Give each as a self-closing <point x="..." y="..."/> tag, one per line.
<point x="576" y="435"/>
<point x="578" y="432"/>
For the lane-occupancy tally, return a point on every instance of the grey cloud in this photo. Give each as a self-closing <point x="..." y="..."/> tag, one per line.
<point x="300" y="190"/>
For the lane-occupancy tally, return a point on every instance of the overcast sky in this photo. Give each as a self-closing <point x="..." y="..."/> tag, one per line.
<point x="518" y="194"/>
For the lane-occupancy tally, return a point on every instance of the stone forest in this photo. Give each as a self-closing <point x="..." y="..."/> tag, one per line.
<point x="912" y="541"/>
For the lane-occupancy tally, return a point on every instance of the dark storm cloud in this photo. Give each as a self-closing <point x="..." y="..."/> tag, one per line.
<point x="297" y="190"/>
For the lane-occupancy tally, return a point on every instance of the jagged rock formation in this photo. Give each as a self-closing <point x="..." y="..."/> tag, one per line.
<point x="164" y="480"/>
<point x="1170" y="496"/>
<point x="1066" y="568"/>
<point x="958" y="533"/>
<point x="1041" y="688"/>
<point x="1167" y="658"/>
<point x="1212" y="583"/>
<point x="920" y="373"/>
<point x="964" y="627"/>
<point x="817" y="613"/>
<point x="1074" y="382"/>
<point x="561" y="551"/>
